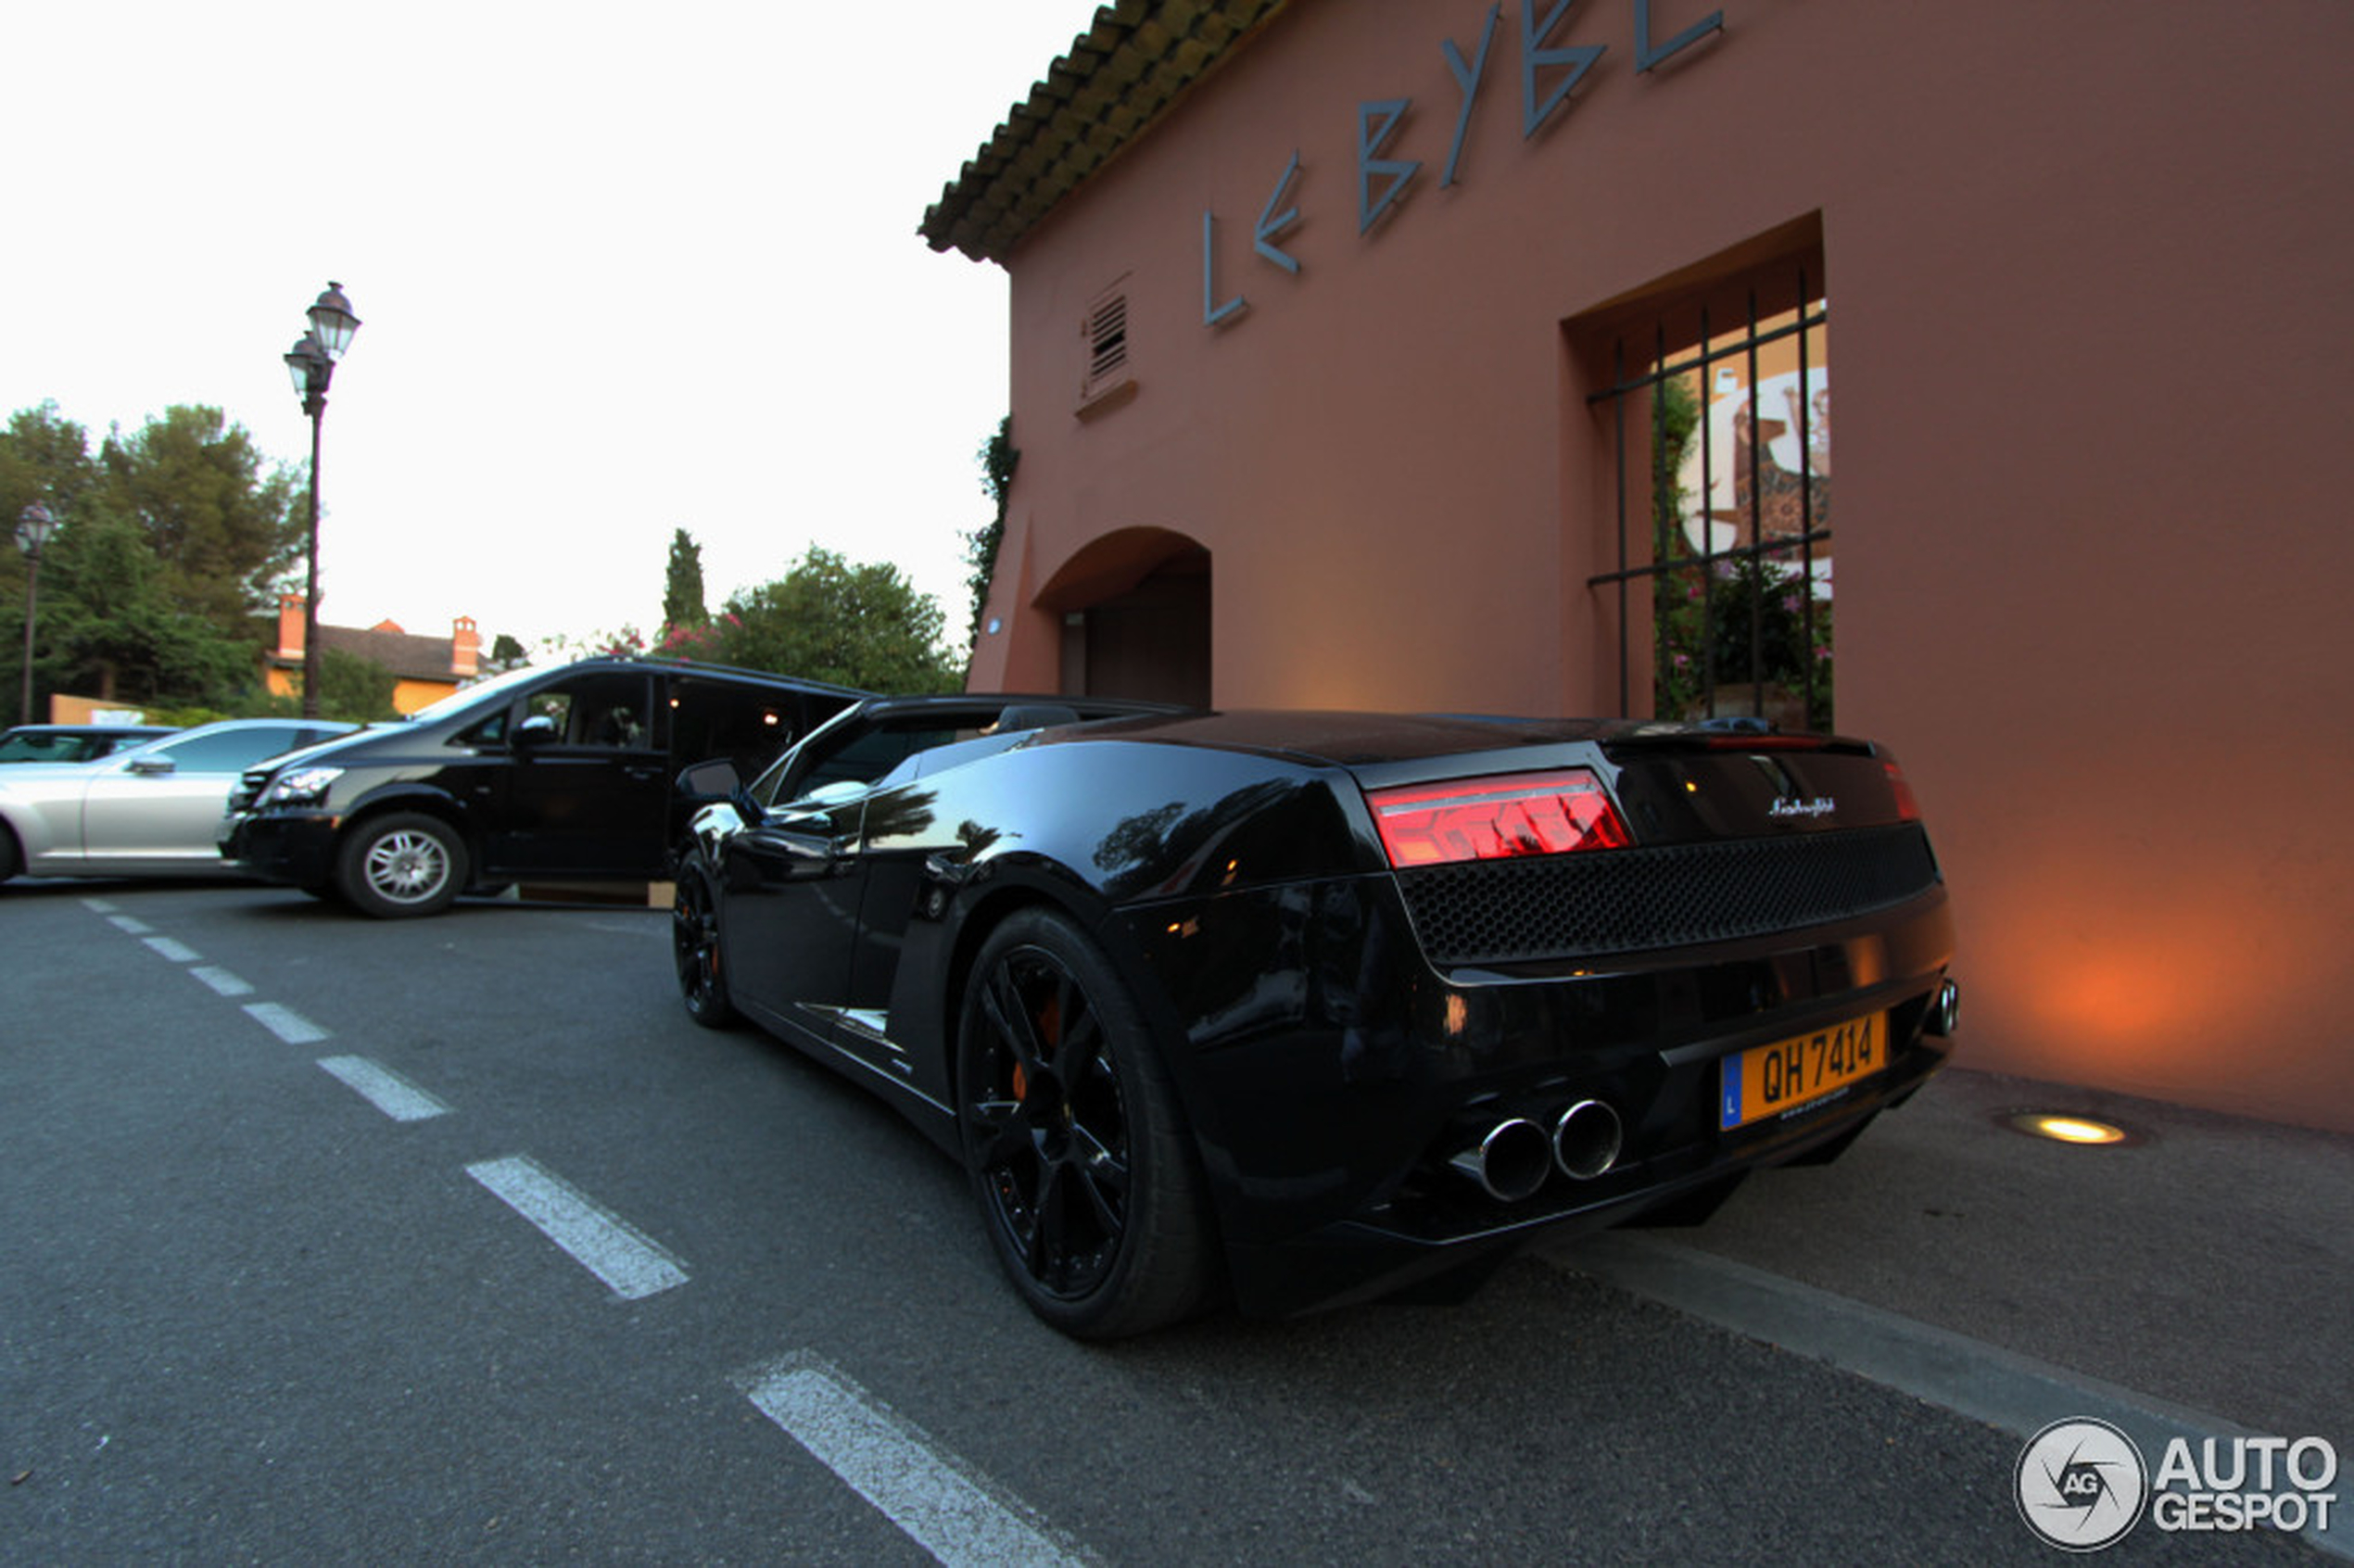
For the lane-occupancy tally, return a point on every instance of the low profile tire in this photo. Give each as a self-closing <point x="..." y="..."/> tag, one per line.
<point x="401" y="865"/>
<point x="1077" y="1148"/>
<point x="11" y="861"/>
<point x="694" y="946"/>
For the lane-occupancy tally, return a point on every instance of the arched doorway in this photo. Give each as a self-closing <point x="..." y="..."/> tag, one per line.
<point x="1135" y="606"/>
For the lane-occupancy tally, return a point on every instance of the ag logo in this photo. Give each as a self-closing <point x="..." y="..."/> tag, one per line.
<point x="2081" y="1485"/>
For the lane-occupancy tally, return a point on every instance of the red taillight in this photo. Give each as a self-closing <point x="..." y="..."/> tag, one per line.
<point x="1493" y="818"/>
<point x="1908" y="808"/>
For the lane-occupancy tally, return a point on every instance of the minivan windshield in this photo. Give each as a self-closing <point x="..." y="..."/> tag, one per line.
<point x="484" y="692"/>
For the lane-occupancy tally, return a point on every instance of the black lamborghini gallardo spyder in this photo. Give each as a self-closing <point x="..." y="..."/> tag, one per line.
<point x="1292" y="1009"/>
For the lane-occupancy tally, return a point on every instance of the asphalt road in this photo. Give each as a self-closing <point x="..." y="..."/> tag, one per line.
<point x="258" y="1309"/>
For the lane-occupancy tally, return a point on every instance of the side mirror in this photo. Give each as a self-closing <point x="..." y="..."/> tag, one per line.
<point x="537" y="731"/>
<point x="154" y="768"/>
<point x="708" y="781"/>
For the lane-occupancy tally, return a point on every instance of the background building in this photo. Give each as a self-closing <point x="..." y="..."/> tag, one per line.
<point x="1435" y="354"/>
<point x="425" y="669"/>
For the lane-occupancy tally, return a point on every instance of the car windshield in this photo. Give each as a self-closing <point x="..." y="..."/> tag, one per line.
<point x="860" y="747"/>
<point x="484" y="693"/>
<point x="34" y="745"/>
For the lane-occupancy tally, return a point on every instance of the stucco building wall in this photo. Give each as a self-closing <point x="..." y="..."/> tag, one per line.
<point x="2088" y="274"/>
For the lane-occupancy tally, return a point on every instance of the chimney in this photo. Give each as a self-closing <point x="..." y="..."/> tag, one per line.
<point x="465" y="648"/>
<point x="290" y="626"/>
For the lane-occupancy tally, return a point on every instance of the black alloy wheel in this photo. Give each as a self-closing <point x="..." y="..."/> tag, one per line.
<point x="694" y="947"/>
<point x="401" y="864"/>
<point x="1073" y="1138"/>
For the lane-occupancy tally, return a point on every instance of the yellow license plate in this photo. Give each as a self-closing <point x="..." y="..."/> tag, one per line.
<point x="1769" y="1080"/>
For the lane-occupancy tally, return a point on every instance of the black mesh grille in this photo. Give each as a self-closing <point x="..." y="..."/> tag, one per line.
<point x="1624" y="900"/>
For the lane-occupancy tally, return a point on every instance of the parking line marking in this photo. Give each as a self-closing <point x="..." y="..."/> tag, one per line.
<point x="1980" y="1380"/>
<point x="221" y="980"/>
<point x="286" y="1023"/>
<point x="178" y="952"/>
<point x="131" y="923"/>
<point x="604" y="1243"/>
<point x="883" y="1458"/>
<point x="385" y="1088"/>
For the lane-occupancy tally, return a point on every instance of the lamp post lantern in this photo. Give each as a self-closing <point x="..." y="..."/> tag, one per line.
<point x="312" y="363"/>
<point x="34" y="525"/>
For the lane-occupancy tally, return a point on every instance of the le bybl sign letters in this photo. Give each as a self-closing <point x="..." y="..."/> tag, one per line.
<point x="1551" y="70"/>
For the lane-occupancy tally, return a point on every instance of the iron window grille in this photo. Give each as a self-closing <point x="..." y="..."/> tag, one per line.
<point x="1739" y="610"/>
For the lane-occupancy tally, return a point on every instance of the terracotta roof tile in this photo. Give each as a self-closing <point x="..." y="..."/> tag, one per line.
<point x="1129" y="68"/>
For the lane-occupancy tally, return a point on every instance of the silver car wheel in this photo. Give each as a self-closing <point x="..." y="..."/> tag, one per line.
<point x="407" y="863"/>
<point x="408" y="866"/>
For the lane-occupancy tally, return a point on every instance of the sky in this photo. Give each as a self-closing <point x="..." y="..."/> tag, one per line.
<point x="619" y="271"/>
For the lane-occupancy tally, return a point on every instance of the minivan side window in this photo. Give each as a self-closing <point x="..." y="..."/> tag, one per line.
<point x="747" y="725"/>
<point x="491" y="731"/>
<point x="606" y="711"/>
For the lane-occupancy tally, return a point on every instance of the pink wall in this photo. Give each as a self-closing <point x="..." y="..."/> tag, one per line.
<point x="2089" y="270"/>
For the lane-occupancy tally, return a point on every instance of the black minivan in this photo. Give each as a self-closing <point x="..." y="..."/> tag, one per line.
<point x="537" y="774"/>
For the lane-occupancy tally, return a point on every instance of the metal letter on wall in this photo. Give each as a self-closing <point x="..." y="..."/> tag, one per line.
<point x="1646" y="56"/>
<point x="1271" y="223"/>
<point x="1376" y="124"/>
<point x="1212" y="312"/>
<point x="1579" y="58"/>
<point x="1467" y="78"/>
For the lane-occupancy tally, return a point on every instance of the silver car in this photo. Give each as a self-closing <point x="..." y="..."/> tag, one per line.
<point x="153" y="810"/>
<point x="73" y="742"/>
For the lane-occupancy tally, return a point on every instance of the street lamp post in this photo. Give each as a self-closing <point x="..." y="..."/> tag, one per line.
<point x="312" y="362"/>
<point x="34" y="525"/>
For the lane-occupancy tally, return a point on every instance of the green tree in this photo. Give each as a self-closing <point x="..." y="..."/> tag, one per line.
<point x="168" y="542"/>
<point x="998" y="459"/>
<point x="224" y="532"/>
<point x="828" y="620"/>
<point x="112" y="625"/>
<point x="46" y="459"/>
<point x="682" y="600"/>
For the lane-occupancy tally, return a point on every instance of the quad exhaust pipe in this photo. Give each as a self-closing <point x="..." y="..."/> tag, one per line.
<point x="1512" y="1158"/>
<point x="1587" y="1139"/>
<point x="1509" y="1163"/>
<point x="1945" y="1011"/>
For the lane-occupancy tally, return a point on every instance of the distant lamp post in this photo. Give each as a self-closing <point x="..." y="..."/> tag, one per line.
<point x="34" y="525"/>
<point x="312" y="362"/>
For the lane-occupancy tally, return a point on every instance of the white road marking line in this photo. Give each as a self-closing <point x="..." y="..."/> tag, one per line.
<point x="385" y="1088"/>
<point x="178" y="952"/>
<point x="98" y="905"/>
<point x="131" y="923"/>
<point x="286" y="1023"/>
<point x="1970" y="1377"/>
<point x="895" y="1467"/>
<point x="605" y="1244"/>
<point x="221" y="980"/>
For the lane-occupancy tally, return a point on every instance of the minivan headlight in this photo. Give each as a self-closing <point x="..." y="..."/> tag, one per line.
<point x="302" y="786"/>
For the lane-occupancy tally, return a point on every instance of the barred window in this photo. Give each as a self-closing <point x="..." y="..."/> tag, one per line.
<point x="1720" y="429"/>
